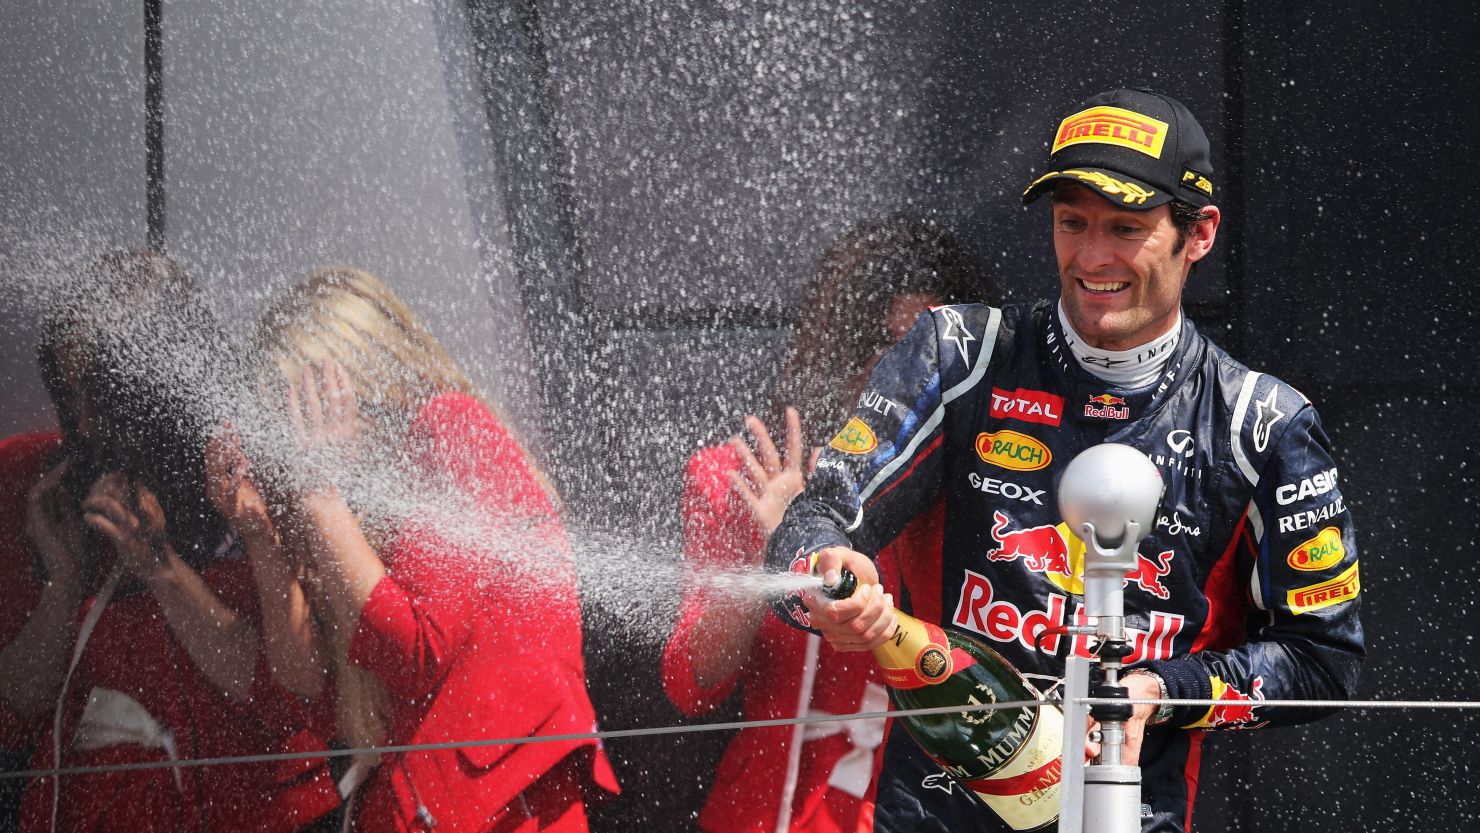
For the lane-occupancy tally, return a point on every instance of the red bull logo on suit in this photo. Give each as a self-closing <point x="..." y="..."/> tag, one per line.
<point x="1235" y="707"/>
<point x="801" y="563"/>
<point x="1058" y="555"/>
<point x="1105" y="406"/>
<point x="978" y="610"/>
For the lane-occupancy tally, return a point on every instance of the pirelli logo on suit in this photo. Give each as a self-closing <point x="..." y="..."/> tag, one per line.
<point x="1343" y="588"/>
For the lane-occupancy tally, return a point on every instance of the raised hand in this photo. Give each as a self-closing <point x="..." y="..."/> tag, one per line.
<point x="325" y="419"/>
<point x="769" y="483"/>
<point x="230" y="488"/>
<point x="129" y="516"/>
<point x="54" y="527"/>
<point x="34" y="661"/>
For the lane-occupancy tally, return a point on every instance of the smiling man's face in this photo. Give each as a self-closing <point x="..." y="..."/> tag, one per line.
<point x="1122" y="272"/>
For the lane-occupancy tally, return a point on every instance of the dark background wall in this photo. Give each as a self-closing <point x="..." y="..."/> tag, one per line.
<point x="71" y="157"/>
<point x="1359" y="290"/>
<point x="610" y="209"/>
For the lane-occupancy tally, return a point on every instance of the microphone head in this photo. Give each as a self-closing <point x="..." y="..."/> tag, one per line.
<point x="1108" y="485"/>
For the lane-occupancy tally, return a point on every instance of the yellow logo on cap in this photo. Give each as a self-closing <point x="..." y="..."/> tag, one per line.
<point x="1113" y="126"/>
<point x="1198" y="181"/>
<point x="1129" y="192"/>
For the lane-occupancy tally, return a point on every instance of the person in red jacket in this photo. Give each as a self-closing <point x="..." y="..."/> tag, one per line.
<point x="871" y="284"/>
<point x="161" y="662"/>
<point x="445" y="587"/>
<point x="41" y="601"/>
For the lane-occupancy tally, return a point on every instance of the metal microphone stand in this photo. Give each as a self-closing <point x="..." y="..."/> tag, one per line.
<point x="1119" y="496"/>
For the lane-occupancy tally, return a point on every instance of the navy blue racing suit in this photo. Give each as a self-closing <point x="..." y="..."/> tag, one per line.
<point x="1245" y="590"/>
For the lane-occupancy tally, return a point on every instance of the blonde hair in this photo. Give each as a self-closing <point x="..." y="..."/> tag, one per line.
<point x="394" y="362"/>
<point x="351" y="317"/>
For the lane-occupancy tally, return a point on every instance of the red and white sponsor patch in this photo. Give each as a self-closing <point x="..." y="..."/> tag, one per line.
<point x="1027" y="405"/>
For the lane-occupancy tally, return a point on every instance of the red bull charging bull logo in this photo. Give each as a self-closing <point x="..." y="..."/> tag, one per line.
<point x="1058" y="555"/>
<point x="1149" y="573"/>
<point x="796" y="608"/>
<point x="1235" y="707"/>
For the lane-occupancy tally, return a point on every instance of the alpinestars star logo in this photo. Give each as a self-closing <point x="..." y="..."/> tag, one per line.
<point x="939" y="781"/>
<point x="1265" y="419"/>
<point x="956" y="331"/>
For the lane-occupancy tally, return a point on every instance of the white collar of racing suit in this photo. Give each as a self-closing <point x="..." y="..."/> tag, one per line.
<point x="1133" y="368"/>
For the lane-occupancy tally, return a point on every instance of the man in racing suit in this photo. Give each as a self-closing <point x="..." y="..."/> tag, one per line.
<point x="1246" y="589"/>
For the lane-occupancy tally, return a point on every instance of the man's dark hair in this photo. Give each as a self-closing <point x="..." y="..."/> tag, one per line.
<point x="1184" y="217"/>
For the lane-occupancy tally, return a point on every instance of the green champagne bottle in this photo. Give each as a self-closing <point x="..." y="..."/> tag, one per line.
<point x="1010" y="758"/>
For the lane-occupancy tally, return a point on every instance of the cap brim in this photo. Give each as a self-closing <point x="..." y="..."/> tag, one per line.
<point x="1119" y="189"/>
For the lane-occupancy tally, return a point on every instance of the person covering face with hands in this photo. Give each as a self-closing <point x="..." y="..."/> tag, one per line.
<point x="431" y="634"/>
<point x="1237" y="596"/>
<point x="160" y="657"/>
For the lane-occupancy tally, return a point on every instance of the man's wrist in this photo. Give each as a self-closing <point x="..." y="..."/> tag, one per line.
<point x="1162" y="711"/>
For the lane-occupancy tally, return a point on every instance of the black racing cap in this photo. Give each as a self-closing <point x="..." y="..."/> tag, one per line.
<point x="1135" y="148"/>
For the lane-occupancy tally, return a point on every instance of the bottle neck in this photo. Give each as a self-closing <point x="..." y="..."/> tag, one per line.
<point x="918" y="654"/>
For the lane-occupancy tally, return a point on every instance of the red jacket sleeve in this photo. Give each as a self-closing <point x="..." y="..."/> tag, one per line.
<point x="23" y="458"/>
<point x="409" y="637"/>
<point x="419" y="617"/>
<point x="717" y="531"/>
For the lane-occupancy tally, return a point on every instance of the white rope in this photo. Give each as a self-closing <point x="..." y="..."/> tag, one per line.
<point x="724" y="727"/>
<point x="1304" y="704"/>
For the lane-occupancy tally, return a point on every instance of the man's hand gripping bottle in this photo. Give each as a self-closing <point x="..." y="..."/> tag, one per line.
<point x="1011" y="758"/>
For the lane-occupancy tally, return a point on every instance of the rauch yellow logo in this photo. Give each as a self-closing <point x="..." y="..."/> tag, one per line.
<point x="1012" y="450"/>
<point x="1324" y="550"/>
<point x="855" y="438"/>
